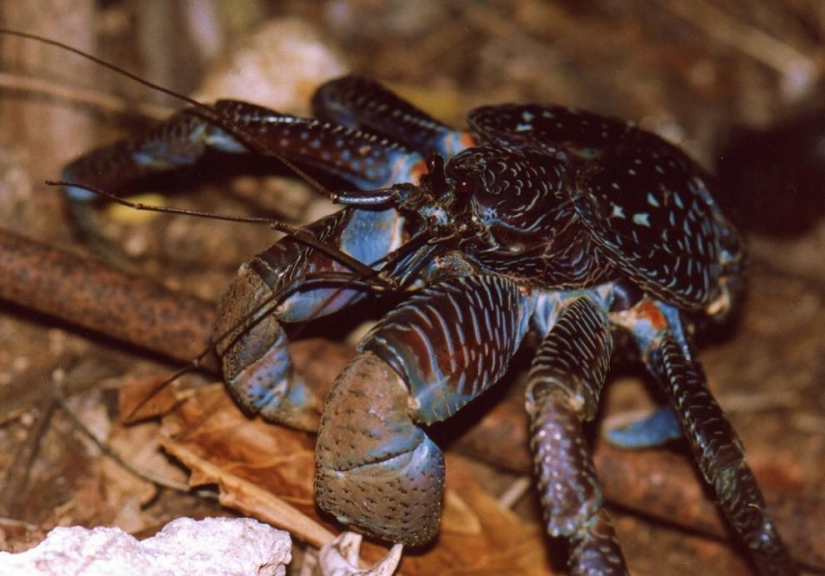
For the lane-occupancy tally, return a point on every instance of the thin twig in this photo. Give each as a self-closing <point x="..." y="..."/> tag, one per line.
<point x="17" y="476"/>
<point x="105" y="449"/>
<point x="515" y="491"/>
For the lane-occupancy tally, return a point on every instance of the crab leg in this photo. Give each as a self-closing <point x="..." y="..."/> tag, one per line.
<point x="359" y="102"/>
<point x="718" y="450"/>
<point x="565" y="382"/>
<point x="375" y="468"/>
<point x="363" y="158"/>
<point x="275" y="287"/>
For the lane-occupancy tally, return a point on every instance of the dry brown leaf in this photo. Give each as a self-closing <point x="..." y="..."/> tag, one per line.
<point x="239" y="494"/>
<point x="146" y="398"/>
<point x="262" y="470"/>
<point x="276" y="459"/>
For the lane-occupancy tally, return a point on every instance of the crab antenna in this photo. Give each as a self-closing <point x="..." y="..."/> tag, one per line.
<point x="107" y="65"/>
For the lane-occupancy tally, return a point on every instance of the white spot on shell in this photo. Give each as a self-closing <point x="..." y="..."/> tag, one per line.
<point x="642" y="219"/>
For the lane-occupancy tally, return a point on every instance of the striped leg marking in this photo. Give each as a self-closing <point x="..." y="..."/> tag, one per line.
<point x="563" y="391"/>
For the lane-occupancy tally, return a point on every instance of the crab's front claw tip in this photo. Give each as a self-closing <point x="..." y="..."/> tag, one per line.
<point x="341" y="558"/>
<point x="376" y="470"/>
<point x="398" y="500"/>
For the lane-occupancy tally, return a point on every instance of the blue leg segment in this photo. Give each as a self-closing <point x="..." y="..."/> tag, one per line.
<point x="655" y="430"/>
<point x="452" y="341"/>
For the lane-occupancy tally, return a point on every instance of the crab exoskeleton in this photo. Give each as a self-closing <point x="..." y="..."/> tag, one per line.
<point x="540" y="219"/>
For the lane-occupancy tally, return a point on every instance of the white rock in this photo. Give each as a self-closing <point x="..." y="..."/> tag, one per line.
<point x="227" y="546"/>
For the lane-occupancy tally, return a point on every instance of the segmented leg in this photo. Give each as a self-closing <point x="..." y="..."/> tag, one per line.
<point x="363" y="158"/>
<point x="367" y="160"/>
<point x="655" y="430"/>
<point x="565" y="382"/>
<point x="716" y="447"/>
<point x="720" y="455"/>
<point x="277" y="287"/>
<point x="375" y="468"/>
<point x="358" y="102"/>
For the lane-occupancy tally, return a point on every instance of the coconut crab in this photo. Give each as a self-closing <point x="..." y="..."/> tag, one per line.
<point x="539" y="219"/>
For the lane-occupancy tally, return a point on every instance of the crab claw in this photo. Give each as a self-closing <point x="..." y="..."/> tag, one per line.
<point x="376" y="470"/>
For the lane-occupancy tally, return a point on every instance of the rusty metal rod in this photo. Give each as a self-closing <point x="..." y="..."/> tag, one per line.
<point x="94" y="297"/>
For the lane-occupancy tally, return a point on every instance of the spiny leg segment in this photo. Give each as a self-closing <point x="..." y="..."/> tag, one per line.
<point x="670" y="358"/>
<point x="565" y="383"/>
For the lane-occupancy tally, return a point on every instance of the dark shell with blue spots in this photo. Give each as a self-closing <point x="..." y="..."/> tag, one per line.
<point x="645" y="203"/>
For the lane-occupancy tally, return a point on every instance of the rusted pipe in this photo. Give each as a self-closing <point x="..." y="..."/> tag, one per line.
<point x="130" y="309"/>
<point x="94" y="297"/>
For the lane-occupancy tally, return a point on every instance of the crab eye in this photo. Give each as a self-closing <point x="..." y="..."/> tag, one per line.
<point x="465" y="187"/>
<point x="435" y="164"/>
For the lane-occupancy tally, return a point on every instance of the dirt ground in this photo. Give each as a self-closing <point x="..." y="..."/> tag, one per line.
<point x="739" y="87"/>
